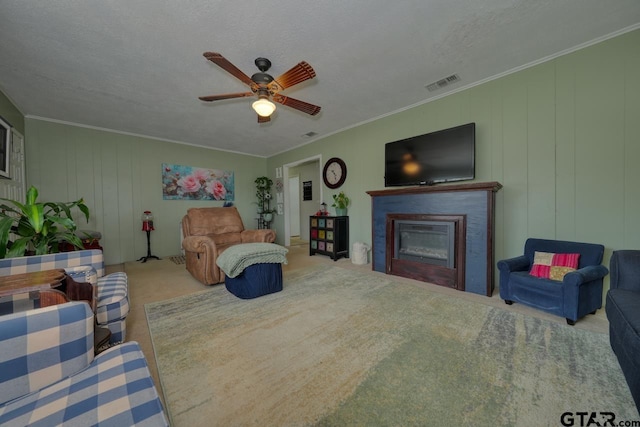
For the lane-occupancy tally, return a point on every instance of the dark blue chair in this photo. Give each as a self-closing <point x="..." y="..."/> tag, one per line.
<point x="578" y="294"/>
<point x="623" y="312"/>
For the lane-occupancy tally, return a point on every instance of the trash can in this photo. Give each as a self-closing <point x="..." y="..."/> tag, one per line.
<point x="359" y="255"/>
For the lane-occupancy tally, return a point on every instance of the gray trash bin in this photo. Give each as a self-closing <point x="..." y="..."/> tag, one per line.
<point x="359" y="253"/>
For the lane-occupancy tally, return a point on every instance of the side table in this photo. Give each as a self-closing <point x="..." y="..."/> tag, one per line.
<point x="31" y="282"/>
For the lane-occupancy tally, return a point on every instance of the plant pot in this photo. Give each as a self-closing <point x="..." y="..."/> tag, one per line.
<point x="341" y="212"/>
<point x="268" y="217"/>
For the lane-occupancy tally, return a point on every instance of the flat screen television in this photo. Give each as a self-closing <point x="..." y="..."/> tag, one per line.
<point x="442" y="156"/>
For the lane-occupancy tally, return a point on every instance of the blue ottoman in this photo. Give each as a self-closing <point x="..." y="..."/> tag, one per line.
<point x="253" y="269"/>
<point x="256" y="280"/>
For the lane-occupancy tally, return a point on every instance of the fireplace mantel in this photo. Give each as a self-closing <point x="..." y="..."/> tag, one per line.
<point x="475" y="186"/>
<point x="475" y="201"/>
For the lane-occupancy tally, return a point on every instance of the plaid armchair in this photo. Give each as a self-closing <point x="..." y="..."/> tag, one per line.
<point x="49" y="375"/>
<point x="112" y="306"/>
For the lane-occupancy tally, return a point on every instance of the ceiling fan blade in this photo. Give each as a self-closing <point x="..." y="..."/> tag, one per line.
<point x="305" y="107"/>
<point x="225" y="96"/>
<point x="224" y="63"/>
<point x="263" y="119"/>
<point x="298" y="74"/>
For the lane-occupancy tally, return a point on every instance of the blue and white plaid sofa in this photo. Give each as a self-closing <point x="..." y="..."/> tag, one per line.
<point x="112" y="306"/>
<point x="50" y="377"/>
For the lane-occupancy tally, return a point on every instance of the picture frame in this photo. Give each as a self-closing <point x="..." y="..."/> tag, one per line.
<point x="5" y="148"/>
<point x="181" y="182"/>
<point x="307" y="191"/>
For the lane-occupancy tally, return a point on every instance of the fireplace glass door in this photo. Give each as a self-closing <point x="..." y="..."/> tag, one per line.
<point x="428" y="242"/>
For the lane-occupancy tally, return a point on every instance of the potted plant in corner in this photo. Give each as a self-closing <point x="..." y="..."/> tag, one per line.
<point x="267" y="212"/>
<point x="37" y="227"/>
<point x="263" y="194"/>
<point x="340" y="202"/>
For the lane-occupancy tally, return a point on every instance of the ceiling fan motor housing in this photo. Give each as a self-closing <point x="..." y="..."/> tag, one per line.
<point x="263" y="78"/>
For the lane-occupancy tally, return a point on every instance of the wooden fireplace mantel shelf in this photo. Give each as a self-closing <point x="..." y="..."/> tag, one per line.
<point x="474" y="186"/>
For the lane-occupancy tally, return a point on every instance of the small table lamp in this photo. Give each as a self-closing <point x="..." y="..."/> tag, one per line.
<point x="147" y="225"/>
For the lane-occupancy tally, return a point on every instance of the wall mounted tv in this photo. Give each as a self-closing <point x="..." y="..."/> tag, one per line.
<point x="442" y="156"/>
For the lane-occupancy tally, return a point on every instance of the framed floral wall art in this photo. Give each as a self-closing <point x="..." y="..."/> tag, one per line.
<point x="193" y="183"/>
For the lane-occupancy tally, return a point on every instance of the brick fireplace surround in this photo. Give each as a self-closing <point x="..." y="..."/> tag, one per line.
<point x="474" y="201"/>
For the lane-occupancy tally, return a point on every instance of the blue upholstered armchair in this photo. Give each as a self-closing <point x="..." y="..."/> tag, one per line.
<point x="577" y="294"/>
<point x="623" y="312"/>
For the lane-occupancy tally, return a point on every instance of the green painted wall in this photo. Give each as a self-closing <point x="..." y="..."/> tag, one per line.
<point x="562" y="137"/>
<point x="119" y="176"/>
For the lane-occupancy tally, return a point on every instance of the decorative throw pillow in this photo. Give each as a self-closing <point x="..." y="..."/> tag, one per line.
<point x="552" y="266"/>
<point x="83" y="273"/>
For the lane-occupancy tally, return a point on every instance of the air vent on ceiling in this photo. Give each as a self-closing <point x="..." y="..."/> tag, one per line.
<point x="454" y="78"/>
<point x="309" y="134"/>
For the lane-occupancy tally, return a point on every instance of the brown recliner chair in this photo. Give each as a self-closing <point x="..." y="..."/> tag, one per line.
<point x="208" y="232"/>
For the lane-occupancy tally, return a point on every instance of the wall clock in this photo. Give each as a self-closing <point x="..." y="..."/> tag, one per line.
<point x="334" y="173"/>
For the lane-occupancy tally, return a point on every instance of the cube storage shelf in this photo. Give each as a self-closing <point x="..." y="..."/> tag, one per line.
<point x="329" y="235"/>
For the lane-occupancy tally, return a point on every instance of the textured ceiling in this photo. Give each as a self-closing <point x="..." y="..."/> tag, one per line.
<point x="137" y="66"/>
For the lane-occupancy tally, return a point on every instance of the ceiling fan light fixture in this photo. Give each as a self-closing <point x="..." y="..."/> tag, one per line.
<point x="264" y="107"/>
<point x="265" y="86"/>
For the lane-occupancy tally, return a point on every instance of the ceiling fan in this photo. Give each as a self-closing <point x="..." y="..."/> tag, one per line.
<point x="265" y="86"/>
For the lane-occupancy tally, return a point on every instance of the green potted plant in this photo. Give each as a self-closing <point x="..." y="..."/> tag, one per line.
<point x="341" y="203"/>
<point x="263" y="194"/>
<point x="37" y="227"/>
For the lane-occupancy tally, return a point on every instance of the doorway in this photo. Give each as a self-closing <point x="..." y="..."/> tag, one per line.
<point x="302" y="212"/>
<point x="294" y="206"/>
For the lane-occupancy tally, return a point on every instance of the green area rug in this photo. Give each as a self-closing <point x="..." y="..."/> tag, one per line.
<point x="339" y="347"/>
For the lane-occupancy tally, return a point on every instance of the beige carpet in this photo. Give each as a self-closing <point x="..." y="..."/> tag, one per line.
<point x="298" y="241"/>
<point x="344" y="347"/>
<point x="160" y="280"/>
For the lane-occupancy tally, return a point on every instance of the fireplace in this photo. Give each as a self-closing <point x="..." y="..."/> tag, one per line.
<point x="428" y="242"/>
<point x="430" y="248"/>
<point x="471" y="205"/>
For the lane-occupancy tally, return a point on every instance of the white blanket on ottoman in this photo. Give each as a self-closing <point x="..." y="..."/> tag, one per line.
<point x="236" y="258"/>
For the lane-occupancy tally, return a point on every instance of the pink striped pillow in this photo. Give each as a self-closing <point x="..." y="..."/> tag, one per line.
<point x="552" y="266"/>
